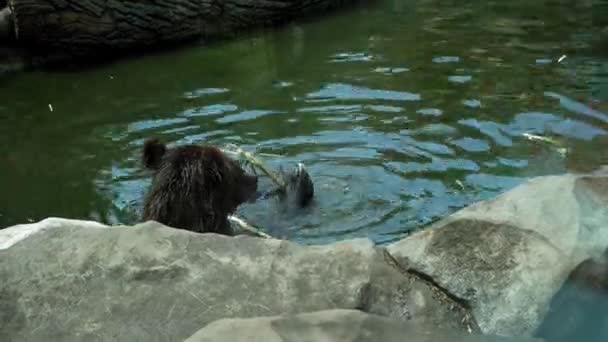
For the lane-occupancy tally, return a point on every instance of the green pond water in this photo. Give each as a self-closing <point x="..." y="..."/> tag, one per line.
<point x="403" y="111"/>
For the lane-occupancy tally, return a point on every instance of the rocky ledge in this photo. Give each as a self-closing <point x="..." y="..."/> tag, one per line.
<point x="491" y="269"/>
<point x="332" y="325"/>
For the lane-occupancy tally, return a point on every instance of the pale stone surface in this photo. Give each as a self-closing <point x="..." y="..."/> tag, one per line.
<point x="494" y="265"/>
<point x="332" y="326"/>
<point x="508" y="256"/>
<point x="569" y="210"/>
<point x="64" y="279"/>
<point x="11" y="235"/>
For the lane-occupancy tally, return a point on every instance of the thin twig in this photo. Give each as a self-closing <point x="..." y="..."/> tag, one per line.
<point x="535" y="137"/>
<point x="241" y="154"/>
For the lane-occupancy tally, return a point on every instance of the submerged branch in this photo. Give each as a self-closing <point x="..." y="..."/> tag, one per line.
<point x="240" y="154"/>
<point x="246" y="226"/>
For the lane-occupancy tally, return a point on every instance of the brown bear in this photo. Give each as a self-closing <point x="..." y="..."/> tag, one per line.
<point x="579" y="310"/>
<point x="194" y="187"/>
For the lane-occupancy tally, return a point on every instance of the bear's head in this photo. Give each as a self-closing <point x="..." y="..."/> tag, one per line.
<point x="194" y="187"/>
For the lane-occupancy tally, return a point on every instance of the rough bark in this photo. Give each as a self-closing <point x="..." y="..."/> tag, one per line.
<point x="88" y="27"/>
<point x="5" y="23"/>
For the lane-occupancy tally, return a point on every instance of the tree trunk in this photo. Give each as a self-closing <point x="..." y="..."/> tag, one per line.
<point x="5" y="23"/>
<point x="106" y="27"/>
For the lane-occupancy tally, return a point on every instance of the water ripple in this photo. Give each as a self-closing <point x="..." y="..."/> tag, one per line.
<point x="472" y="103"/>
<point x="542" y="123"/>
<point x="390" y="71"/>
<point x="437" y="165"/>
<point x="459" y="79"/>
<point x="471" y="144"/>
<point x="245" y="115"/>
<point x="446" y="59"/>
<point x="342" y="91"/>
<point x="491" y="129"/>
<point x="578" y="107"/>
<point x="352" y="57"/>
<point x="331" y="109"/>
<point x="214" y="109"/>
<point x="150" y="124"/>
<point x="430" y="111"/>
<point x="204" y="91"/>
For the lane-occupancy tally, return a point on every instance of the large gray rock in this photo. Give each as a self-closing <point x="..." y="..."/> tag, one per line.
<point x="570" y="211"/>
<point x="506" y="257"/>
<point x="331" y="326"/>
<point x="65" y="279"/>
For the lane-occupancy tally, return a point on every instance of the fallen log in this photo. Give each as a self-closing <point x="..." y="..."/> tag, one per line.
<point x="96" y="28"/>
<point x="5" y="23"/>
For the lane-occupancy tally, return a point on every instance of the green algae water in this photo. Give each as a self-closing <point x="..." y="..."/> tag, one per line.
<point x="403" y="111"/>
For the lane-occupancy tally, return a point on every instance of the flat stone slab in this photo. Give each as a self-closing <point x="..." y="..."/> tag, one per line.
<point x="506" y="257"/>
<point x="491" y="268"/>
<point x="332" y="326"/>
<point x="65" y="279"/>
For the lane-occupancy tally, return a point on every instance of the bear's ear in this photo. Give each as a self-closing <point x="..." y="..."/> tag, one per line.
<point x="154" y="150"/>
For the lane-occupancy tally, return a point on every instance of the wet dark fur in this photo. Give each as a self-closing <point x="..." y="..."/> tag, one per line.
<point x="300" y="189"/>
<point x="579" y="310"/>
<point x="194" y="187"/>
<point x="301" y="186"/>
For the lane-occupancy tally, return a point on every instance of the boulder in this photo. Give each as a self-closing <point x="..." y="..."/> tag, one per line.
<point x="66" y="279"/>
<point x="505" y="258"/>
<point x="331" y="325"/>
<point x="569" y="210"/>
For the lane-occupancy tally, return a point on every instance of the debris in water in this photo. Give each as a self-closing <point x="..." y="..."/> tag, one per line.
<point x="561" y="58"/>
<point x="50" y="107"/>
<point x="539" y="138"/>
<point x="248" y="227"/>
<point x="460" y="184"/>
<point x="563" y="151"/>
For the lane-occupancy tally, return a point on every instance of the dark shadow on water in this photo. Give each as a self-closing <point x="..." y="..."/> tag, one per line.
<point x="579" y="310"/>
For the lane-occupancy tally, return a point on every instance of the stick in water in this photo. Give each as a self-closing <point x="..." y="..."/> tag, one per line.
<point x="246" y="226"/>
<point x="241" y="154"/>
